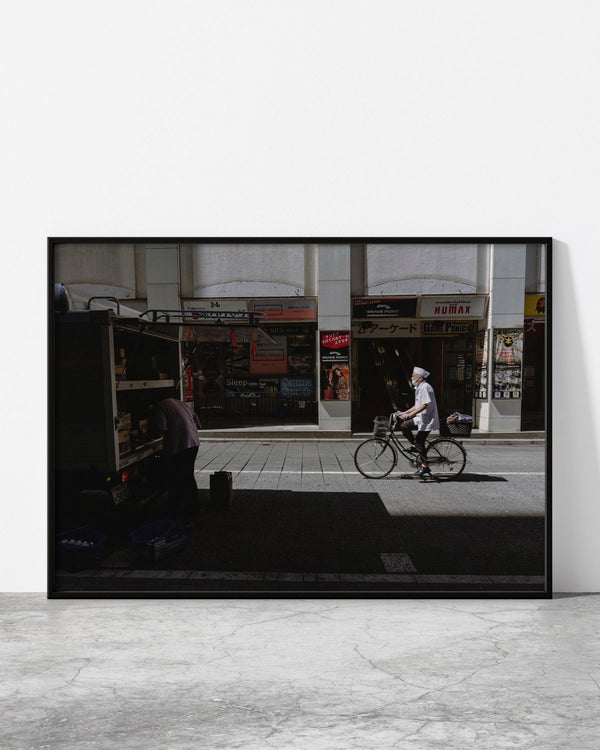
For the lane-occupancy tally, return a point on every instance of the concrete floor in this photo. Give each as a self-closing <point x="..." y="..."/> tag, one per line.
<point x="254" y="674"/>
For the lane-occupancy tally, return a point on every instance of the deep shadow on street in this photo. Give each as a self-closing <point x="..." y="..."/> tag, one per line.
<point x="276" y="531"/>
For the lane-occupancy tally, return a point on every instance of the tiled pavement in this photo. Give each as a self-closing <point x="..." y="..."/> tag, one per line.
<point x="497" y="479"/>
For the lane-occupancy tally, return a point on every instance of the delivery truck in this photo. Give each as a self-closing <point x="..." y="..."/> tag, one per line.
<point x="107" y="372"/>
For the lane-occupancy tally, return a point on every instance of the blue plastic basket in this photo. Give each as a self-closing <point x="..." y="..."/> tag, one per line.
<point x="160" y="539"/>
<point x="79" y="548"/>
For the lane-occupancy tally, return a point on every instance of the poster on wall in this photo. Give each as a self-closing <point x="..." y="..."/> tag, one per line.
<point x="251" y="387"/>
<point x="268" y="356"/>
<point x="297" y="387"/>
<point x="481" y="364"/>
<point x="335" y="365"/>
<point x="319" y="506"/>
<point x="535" y="305"/>
<point x="294" y="308"/>
<point x="508" y="358"/>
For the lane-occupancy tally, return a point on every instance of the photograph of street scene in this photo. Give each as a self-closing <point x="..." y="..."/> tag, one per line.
<point x="299" y="417"/>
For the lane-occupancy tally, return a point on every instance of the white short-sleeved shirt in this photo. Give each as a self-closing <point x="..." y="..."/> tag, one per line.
<point x="428" y="419"/>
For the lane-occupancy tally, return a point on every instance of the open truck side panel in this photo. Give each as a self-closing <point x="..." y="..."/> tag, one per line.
<point x="108" y="373"/>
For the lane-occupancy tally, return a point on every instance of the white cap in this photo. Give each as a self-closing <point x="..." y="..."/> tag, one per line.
<point x="420" y="371"/>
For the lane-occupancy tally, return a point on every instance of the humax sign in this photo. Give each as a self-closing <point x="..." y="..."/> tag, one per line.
<point x="453" y="307"/>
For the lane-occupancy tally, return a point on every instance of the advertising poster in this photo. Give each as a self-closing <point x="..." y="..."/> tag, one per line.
<point x="335" y="365"/>
<point x="286" y="309"/>
<point x="269" y="356"/>
<point x="251" y="387"/>
<point x="301" y="360"/>
<point x="481" y="365"/>
<point x="302" y="388"/>
<point x="508" y="358"/>
<point x="535" y="305"/>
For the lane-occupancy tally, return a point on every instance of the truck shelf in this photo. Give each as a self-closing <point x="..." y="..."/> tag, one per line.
<point x="143" y="451"/>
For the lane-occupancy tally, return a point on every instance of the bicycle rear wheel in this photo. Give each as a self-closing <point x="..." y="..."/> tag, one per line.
<point x="446" y="458"/>
<point x="375" y="458"/>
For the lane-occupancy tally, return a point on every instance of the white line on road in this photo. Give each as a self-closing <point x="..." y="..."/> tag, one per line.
<point x="327" y="471"/>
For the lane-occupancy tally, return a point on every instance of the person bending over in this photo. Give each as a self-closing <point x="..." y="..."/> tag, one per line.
<point x="178" y="424"/>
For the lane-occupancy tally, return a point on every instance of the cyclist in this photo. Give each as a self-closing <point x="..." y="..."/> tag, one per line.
<point x="423" y="416"/>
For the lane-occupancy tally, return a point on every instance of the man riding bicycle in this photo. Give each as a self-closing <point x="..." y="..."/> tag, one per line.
<point x="423" y="416"/>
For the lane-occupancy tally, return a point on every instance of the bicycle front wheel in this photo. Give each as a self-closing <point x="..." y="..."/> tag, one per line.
<point x="375" y="458"/>
<point x="446" y="458"/>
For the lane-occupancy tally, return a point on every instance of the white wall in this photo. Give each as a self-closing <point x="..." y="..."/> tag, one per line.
<point x="265" y="270"/>
<point x="389" y="119"/>
<point x="422" y="269"/>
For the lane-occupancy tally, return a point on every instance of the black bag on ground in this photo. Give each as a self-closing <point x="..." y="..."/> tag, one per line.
<point x="221" y="490"/>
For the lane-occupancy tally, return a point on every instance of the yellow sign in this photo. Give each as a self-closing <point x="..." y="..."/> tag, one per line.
<point x="535" y="305"/>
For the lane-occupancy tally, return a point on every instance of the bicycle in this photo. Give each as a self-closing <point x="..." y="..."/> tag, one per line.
<point x="377" y="456"/>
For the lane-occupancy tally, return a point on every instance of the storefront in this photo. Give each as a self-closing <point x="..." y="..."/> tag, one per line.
<point x="248" y="374"/>
<point x="392" y="335"/>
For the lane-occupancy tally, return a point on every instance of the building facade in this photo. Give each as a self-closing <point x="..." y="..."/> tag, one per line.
<point x="342" y="325"/>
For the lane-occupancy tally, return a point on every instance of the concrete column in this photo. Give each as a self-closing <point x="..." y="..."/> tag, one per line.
<point x="334" y="315"/>
<point x="484" y="253"/>
<point x="358" y="270"/>
<point x="162" y="277"/>
<point x="310" y="270"/>
<point x="507" y="299"/>
<point x="186" y="270"/>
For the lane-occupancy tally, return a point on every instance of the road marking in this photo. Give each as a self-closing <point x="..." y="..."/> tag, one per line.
<point x="357" y="473"/>
<point x="397" y="562"/>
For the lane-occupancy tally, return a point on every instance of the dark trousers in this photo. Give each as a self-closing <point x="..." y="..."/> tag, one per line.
<point x="183" y="491"/>
<point x="418" y="441"/>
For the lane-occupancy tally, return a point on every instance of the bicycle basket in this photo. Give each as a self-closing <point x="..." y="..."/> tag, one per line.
<point x="381" y="426"/>
<point x="455" y="429"/>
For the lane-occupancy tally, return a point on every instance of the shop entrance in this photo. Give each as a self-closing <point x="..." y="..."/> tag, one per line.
<point x="382" y="370"/>
<point x="241" y="377"/>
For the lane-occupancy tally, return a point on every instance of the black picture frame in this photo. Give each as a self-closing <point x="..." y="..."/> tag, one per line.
<point x="82" y="584"/>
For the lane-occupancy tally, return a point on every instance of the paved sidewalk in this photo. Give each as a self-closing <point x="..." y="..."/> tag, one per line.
<point x="307" y="465"/>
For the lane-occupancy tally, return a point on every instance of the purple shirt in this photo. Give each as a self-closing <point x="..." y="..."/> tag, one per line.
<point x="179" y="424"/>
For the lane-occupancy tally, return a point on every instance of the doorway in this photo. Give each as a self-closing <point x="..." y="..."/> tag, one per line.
<point x="382" y="370"/>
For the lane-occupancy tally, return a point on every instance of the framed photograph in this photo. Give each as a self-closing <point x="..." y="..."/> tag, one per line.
<point x="299" y="417"/>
